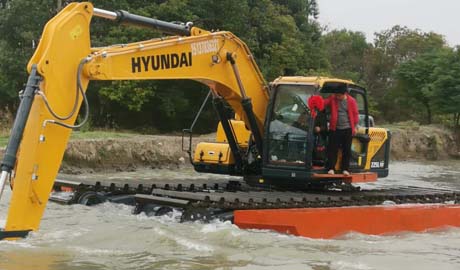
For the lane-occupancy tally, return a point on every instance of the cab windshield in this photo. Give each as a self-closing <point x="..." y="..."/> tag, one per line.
<point x="289" y="125"/>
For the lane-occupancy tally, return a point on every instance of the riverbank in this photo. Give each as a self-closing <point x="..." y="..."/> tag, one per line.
<point x="414" y="142"/>
<point x="114" y="151"/>
<point x="128" y="153"/>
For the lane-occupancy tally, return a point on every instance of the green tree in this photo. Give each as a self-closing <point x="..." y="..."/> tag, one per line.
<point x="345" y="51"/>
<point x="415" y="83"/>
<point x="20" y="32"/>
<point x="447" y="85"/>
<point x="284" y="37"/>
<point x="391" y="48"/>
<point x="431" y="81"/>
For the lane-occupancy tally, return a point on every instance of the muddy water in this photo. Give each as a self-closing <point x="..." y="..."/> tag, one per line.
<point x="108" y="237"/>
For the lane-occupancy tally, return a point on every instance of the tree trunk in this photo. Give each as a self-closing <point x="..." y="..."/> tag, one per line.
<point x="428" y="112"/>
<point x="457" y="129"/>
<point x="456" y="122"/>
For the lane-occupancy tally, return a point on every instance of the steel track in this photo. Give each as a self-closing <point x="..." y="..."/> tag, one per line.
<point x="237" y="196"/>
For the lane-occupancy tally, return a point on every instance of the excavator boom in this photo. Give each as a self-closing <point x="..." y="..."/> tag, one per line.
<point x="62" y="67"/>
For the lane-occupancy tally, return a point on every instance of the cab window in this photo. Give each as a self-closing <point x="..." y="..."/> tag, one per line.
<point x="360" y="100"/>
<point x="288" y="128"/>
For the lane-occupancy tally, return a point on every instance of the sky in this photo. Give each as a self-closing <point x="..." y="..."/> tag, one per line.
<point x="370" y="16"/>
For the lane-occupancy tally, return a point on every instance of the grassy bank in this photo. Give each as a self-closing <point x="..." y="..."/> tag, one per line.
<point x="3" y="140"/>
<point x="3" y="135"/>
<point x="101" y="134"/>
<point x="77" y="135"/>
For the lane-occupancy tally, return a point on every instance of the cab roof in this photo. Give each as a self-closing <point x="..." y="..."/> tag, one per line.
<point x="330" y="83"/>
<point x="318" y="80"/>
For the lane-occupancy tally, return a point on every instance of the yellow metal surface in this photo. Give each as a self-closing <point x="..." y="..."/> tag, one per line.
<point x="312" y="80"/>
<point x="378" y="137"/>
<point x="242" y="134"/>
<point x="213" y="153"/>
<point x="201" y="58"/>
<point x="357" y="147"/>
<point x="65" y="42"/>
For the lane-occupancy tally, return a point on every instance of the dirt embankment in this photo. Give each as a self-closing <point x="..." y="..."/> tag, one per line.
<point x="424" y="142"/>
<point x="156" y="151"/>
<point x="127" y="154"/>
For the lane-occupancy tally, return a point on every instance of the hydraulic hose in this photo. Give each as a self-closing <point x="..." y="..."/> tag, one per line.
<point x="9" y="160"/>
<point x="85" y="100"/>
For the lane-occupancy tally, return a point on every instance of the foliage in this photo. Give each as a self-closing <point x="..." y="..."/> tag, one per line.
<point x="392" y="48"/>
<point x="3" y="140"/>
<point x="431" y="80"/>
<point x="345" y="51"/>
<point x="410" y="74"/>
<point x="415" y="82"/>
<point x="447" y="84"/>
<point x="19" y="31"/>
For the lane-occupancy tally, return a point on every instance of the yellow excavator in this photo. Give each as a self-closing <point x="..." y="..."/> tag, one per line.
<point x="262" y="142"/>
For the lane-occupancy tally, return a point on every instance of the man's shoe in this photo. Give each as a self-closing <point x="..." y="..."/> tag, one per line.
<point x="330" y="172"/>
<point x="345" y="172"/>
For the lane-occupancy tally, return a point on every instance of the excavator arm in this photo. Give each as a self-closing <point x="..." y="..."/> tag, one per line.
<point x="61" y="69"/>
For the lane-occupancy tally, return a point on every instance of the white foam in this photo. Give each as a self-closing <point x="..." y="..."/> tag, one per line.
<point x="98" y="251"/>
<point x="171" y="217"/>
<point x="22" y="243"/>
<point x="159" y="231"/>
<point x="60" y="235"/>
<point x="342" y="265"/>
<point x="216" y="226"/>
<point x="190" y="245"/>
<point x="388" y="202"/>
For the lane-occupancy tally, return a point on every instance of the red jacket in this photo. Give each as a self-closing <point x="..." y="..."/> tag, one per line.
<point x="353" y="114"/>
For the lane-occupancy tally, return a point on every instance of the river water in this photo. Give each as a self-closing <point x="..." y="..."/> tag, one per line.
<point x="108" y="236"/>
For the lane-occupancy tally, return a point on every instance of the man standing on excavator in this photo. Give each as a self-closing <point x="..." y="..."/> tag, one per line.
<point x="342" y="126"/>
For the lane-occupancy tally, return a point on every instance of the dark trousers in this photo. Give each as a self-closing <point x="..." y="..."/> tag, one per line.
<point x="339" y="139"/>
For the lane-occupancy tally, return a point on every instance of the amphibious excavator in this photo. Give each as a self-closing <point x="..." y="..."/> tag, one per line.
<point x="270" y="141"/>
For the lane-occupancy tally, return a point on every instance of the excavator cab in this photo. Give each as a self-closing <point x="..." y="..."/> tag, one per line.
<point x="294" y="152"/>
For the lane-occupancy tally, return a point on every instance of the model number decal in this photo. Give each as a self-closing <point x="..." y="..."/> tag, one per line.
<point x="377" y="164"/>
<point x="204" y="47"/>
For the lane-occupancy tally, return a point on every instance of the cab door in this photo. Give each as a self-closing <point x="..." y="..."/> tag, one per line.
<point x="371" y="145"/>
<point x="360" y="142"/>
<point x="288" y="138"/>
<point x="289" y="127"/>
